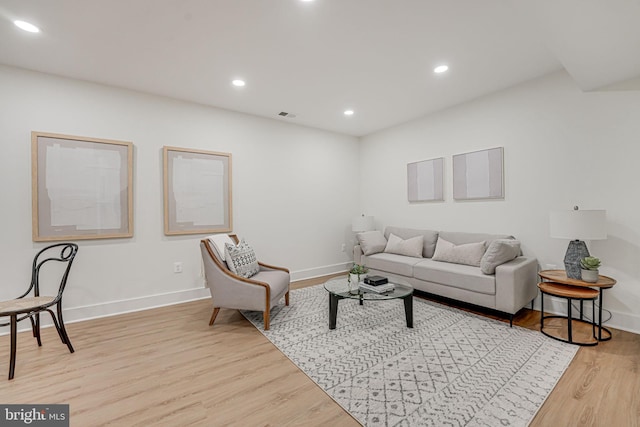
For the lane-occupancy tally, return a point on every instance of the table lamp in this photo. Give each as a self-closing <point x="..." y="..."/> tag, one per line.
<point x="577" y="225"/>
<point x="362" y="223"/>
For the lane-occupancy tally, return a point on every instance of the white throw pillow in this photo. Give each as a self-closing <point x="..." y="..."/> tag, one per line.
<point x="218" y="241"/>
<point x="411" y="247"/>
<point x="468" y="254"/>
<point x="241" y="259"/>
<point x="371" y="242"/>
<point x="499" y="252"/>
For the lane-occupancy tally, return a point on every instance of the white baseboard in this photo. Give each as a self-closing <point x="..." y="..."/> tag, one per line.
<point x="623" y="321"/>
<point x="112" y="308"/>
<point x="310" y="273"/>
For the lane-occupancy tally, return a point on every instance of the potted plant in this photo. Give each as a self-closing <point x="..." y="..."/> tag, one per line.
<point x="590" y="266"/>
<point x="354" y="277"/>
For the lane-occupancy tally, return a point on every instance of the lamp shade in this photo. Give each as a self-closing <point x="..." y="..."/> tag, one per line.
<point x="362" y="223"/>
<point x="578" y="225"/>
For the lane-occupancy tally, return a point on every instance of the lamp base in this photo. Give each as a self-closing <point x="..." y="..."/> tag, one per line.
<point x="575" y="252"/>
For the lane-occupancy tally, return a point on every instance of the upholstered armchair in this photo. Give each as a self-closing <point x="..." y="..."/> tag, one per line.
<point x="259" y="292"/>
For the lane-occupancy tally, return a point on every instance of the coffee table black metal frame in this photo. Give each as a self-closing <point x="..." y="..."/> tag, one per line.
<point x="339" y="289"/>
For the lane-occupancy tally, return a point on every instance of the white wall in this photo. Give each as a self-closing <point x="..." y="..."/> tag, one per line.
<point x="562" y="148"/>
<point x="292" y="190"/>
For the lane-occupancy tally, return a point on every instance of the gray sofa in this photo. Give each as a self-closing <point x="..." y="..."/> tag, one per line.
<point x="511" y="287"/>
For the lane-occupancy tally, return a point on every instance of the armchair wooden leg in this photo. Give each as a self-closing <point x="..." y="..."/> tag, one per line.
<point x="286" y="298"/>
<point x="266" y="320"/>
<point x="214" y="315"/>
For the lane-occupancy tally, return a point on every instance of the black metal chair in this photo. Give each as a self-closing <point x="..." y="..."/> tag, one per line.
<point x="26" y="306"/>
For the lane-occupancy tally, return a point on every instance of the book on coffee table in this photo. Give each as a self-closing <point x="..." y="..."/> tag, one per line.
<point x="379" y="289"/>
<point x="376" y="280"/>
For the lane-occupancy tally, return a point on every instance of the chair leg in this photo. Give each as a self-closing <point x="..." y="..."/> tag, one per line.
<point x="36" y="328"/>
<point x="14" y="337"/>
<point x="33" y="326"/>
<point x="57" y="325"/>
<point x="286" y="298"/>
<point x="214" y="315"/>
<point x="63" y="330"/>
<point x="265" y="316"/>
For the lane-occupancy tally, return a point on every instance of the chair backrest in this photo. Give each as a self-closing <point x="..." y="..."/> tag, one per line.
<point x="63" y="253"/>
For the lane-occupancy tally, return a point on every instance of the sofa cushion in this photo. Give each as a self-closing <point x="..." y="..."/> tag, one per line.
<point x="468" y="253"/>
<point x="430" y="237"/>
<point x="391" y="263"/>
<point x="411" y="247"/>
<point x="460" y="238"/>
<point x="371" y="242"/>
<point x="455" y="275"/>
<point x="241" y="259"/>
<point x="499" y="252"/>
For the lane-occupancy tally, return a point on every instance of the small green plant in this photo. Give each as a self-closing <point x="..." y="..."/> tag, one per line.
<point x="358" y="269"/>
<point x="590" y="263"/>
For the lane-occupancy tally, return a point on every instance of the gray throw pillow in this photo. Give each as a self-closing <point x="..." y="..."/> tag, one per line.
<point x="411" y="247"/>
<point x="467" y="254"/>
<point x="499" y="252"/>
<point x="371" y="242"/>
<point x="241" y="259"/>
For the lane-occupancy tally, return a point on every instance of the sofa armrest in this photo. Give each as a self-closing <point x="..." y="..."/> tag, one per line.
<point x="516" y="284"/>
<point x="357" y="254"/>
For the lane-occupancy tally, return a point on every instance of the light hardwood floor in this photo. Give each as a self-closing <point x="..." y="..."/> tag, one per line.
<point x="167" y="367"/>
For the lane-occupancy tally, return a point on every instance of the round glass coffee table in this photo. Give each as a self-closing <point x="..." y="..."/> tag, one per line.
<point x="339" y="289"/>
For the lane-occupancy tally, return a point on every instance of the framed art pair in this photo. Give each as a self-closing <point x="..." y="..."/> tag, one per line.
<point x="82" y="188"/>
<point x="476" y="175"/>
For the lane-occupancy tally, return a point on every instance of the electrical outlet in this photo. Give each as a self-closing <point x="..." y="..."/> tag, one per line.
<point x="344" y="247"/>
<point x="177" y="267"/>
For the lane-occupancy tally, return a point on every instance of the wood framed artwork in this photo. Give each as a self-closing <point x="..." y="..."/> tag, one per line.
<point x="479" y="175"/>
<point x="197" y="191"/>
<point x="82" y="187"/>
<point x="425" y="180"/>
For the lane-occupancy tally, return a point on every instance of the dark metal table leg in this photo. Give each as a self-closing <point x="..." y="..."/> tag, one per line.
<point x="600" y="316"/>
<point x="569" y="320"/>
<point x="333" y="310"/>
<point x="581" y="306"/>
<point x="408" y="310"/>
<point x="541" y="310"/>
<point x="593" y="319"/>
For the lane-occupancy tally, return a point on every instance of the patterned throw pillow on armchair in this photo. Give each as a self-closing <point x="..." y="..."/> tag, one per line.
<point x="241" y="259"/>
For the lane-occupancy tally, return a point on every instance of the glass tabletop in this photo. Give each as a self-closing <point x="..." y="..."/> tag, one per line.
<point x="340" y="287"/>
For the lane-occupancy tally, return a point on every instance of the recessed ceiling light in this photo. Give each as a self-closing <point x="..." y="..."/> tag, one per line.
<point x="348" y="112"/>
<point x="441" y="69"/>
<point x="27" y="26"/>
<point x="238" y="82"/>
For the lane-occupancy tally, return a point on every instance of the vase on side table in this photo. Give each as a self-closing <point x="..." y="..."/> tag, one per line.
<point x="354" y="283"/>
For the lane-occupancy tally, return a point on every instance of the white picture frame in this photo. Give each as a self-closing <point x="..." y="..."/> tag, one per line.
<point x="479" y="175"/>
<point x="197" y="191"/>
<point x="425" y="180"/>
<point x="82" y="188"/>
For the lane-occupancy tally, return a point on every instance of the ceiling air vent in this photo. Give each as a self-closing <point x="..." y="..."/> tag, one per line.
<point x="285" y="114"/>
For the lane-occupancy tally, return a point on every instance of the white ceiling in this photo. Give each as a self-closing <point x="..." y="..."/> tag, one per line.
<point x="316" y="59"/>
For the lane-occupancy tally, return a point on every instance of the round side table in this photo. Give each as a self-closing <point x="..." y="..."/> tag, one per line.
<point x="604" y="282"/>
<point x="570" y="293"/>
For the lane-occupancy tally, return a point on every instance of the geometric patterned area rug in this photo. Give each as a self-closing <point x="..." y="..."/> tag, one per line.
<point x="453" y="368"/>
